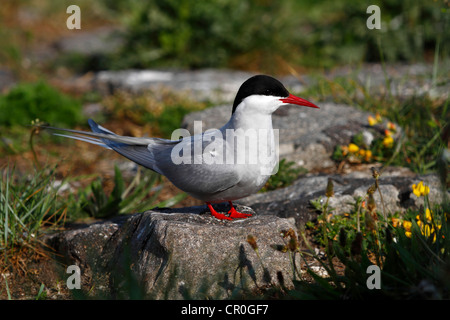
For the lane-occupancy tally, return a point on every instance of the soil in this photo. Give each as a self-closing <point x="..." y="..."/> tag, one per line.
<point x="26" y="285"/>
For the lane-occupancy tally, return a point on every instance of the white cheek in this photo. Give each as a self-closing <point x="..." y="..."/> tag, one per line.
<point x="261" y="104"/>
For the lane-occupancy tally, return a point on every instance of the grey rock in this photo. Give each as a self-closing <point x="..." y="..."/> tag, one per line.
<point x="7" y="79"/>
<point x="398" y="79"/>
<point x="220" y="86"/>
<point x="212" y="85"/>
<point x="81" y="244"/>
<point x="179" y="253"/>
<point x="92" y="44"/>
<point x="295" y="200"/>
<point x="98" y="42"/>
<point x="368" y="137"/>
<point x="202" y="85"/>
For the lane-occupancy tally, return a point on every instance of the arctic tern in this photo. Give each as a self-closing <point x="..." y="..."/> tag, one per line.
<point x="218" y="165"/>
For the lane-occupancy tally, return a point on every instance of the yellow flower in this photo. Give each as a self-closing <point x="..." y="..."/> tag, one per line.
<point x="372" y="121"/>
<point x="395" y="222"/>
<point x="388" y="142"/>
<point x="391" y="126"/>
<point x="407" y="225"/>
<point x="353" y="148"/>
<point x="428" y="231"/>
<point x="426" y="227"/>
<point x="420" y="189"/>
<point x="428" y="214"/>
<point x="378" y="117"/>
<point x="368" y="155"/>
<point x="344" y="150"/>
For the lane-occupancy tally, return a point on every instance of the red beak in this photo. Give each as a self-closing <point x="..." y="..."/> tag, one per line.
<point x="299" y="101"/>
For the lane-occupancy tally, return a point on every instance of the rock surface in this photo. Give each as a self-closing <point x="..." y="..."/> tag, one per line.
<point x="294" y="201"/>
<point x="221" y="85"/>
<point x="398" y="79"/>
<point x="102" y="41"/>
<point x="203" y="85"/>
<point x="179" y="253"/>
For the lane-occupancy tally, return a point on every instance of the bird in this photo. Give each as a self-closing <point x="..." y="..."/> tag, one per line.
<point x="216" y="165"/>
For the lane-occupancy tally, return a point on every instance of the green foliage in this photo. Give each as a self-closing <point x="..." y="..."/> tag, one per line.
<point x="26" y="205"/>
<point x="136" y="197"/>
<point x="201" y="34"/>
<point x="410" y="252"/>
<point x="338" y="32"/>
<point x="314" y="33"/>
<point x="34" y="204"/>
<point x="335" y="224"/>
<point x="29" y="101"/>
<point x="42" y="295"/>
<point x="285" y="176"/>
<point x="425" y="122"/>
<point x="405" y="263"/>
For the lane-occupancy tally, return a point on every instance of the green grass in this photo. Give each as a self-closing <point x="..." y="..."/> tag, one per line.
<point x="27" y="205"/>
<point x="287" y="173"/>
<point x="136" y="196"/>
<point x="412" y="250"/>
<point x="31" y="205"/>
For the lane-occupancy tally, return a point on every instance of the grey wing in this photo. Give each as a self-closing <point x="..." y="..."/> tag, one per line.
<point x="195" y="177"/>
<point x="197" y="164"/>
<point x="140" y="151"/>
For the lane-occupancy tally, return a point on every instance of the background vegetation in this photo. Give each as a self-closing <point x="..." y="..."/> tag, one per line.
<point x="262" y="34"/>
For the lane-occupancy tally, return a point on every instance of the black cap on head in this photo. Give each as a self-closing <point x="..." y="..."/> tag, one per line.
<point x="262" y="85"/>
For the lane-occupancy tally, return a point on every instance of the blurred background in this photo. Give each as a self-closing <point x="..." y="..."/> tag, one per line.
<point x="47" y="70"/>
<point x="263" y="35"/>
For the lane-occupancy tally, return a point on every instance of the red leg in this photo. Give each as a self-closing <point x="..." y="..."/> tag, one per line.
<point x="215" y="214"/>
<point x="234" y="214"/>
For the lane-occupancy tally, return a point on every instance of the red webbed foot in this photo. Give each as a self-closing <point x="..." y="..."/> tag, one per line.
<point x="217" y="215"/>
<point x="234" y="214"/>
